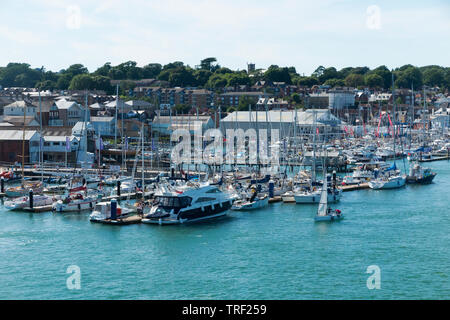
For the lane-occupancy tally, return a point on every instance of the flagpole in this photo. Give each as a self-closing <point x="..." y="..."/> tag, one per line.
<point x="66" y="152"/>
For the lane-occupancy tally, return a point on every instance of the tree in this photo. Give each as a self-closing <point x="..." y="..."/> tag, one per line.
<point x="207" y="64"/>
<point x="307" y="81"/>
<point x="76" y="69"/>
<point x="354" y="80"/>
<point x="81" y="82"/>
<point x="334" y="82"/>
<point x="201" y="77"/>
<point x="151" y="70"/>
<point x="104" y="70"/>
<point x="433" y="76"/>
<point x="384" y="73"/>
<point x="328" y="73"/>
<point x="244" y="102"/>
<point x="318" y="72"/>
<point x="374" y="80"/>
<point x="407" y="76"/>
<point x="277" y="74"/>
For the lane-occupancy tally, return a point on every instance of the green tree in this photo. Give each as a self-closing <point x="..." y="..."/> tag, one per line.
<point x="433" y="76"/>
<point x="374" y="80"/>
<point x="334" y="82"/>
<point x="407" y="76"/>
<point x="354" y="80"/>
<point x="81" y="82"/>
<point x="307" y="81"/>
<point x="277" y="74"/>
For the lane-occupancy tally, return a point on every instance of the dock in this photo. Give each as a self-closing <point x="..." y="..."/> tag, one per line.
<point x="275" y="199"/>
<point x="354" y="187"/>
<point x="121" y="221"/>
<point x="439" y="158"/>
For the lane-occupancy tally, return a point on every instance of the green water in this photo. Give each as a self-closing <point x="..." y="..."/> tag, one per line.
<point x="274" y="253"/>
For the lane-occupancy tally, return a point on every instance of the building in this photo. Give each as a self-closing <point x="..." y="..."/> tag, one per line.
<point x="231" y="99"/>
<point x="165" y="125"/>
<point x="318" y="100"/>
<point x="18" y="108"/>
<point x="12" y="142"/>
<point x="283" y="121"/>
<point x="65" y="113"/>
<point x="340" y="98"/>
<point x="104" y="126"/>
<point x="17" y="121"/>
<point x="55" y="148"/>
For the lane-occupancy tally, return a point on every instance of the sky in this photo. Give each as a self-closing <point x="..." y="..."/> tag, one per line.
<point x="303" y="34"/>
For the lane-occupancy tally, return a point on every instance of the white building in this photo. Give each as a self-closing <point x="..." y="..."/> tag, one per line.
<point x="19" y="107"/>
<point x="340" y="99"/>
<point x="283" y="121"/>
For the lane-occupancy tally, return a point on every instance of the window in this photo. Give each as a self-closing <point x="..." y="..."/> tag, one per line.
<point x="215" y="190"/>
<point x="204" y="199"/>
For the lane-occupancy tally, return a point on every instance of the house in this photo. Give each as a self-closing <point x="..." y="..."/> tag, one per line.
<point x="55" y="148"/>
<point x="140" y="105"/>
<point x="231" y="99"/>
<point x="18" y="108"/>
<point x="104" y="126"/>
<point x="12" y="142"/>
<point x="65" y="113"/>
<point x="95" y="108"/>
<point x="18" y="121"/>
<point x="167" y="124"/>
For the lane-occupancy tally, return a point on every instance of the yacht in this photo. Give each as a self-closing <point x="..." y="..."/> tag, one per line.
<point x="188" y="203"/>
<point x="102" y="212"/>
<point x="24" y="202"/>
<point x="420" y="175"/>
<point x="75" y="202"/>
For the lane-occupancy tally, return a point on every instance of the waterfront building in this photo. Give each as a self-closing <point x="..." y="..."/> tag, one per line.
<point x="284" y="121"/>
<point x="11" y="142"/>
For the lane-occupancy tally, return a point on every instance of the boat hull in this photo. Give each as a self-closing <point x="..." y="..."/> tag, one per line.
<point x="328" y="218"/>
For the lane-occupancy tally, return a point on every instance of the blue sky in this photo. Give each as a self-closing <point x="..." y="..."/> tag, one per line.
<point x="304" y="34"/>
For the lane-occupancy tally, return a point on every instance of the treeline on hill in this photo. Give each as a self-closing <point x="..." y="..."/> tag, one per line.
<point x="209" y="74"/>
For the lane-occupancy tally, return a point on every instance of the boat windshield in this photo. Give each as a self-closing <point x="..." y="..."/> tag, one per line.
<point x="173" y="202"/>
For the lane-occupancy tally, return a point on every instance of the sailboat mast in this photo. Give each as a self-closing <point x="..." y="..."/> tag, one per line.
<point x="41" y="154"/>
<point x="393" y="109"/>
<point x="23" y="146"/>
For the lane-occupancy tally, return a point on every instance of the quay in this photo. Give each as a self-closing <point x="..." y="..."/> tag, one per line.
<point x="354" y="187"/>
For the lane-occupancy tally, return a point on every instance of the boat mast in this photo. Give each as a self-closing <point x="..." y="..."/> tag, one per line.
<point x="115" y="127"/>
<point x="41" y="154"/>
<point x="393" y="109"/>
<point x="23" y="146"/>
<point x="142" y="133"/>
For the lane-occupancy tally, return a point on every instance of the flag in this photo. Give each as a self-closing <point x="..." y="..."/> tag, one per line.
<point x="41" y="143"/>
<point x="126" y="143"/>
<point x="100" y="143"/>
<point x="67" y="144"/>
<point x="153" y="145"/>
<point x="317" y="130"/>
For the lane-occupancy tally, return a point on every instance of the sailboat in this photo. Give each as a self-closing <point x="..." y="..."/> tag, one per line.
<point x="324" y="213"/>
<point x="393" y="178"/>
